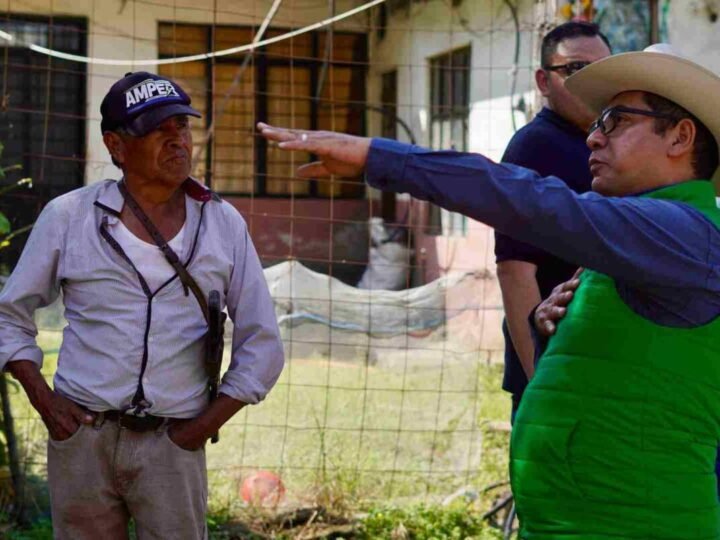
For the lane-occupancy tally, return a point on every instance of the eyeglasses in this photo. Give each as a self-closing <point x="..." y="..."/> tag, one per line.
<point x="609" y="118"/>
<point x="569" y="68"/>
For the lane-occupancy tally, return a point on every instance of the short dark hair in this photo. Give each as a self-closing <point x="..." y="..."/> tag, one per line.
<point x="705" y="151"/>
<point x="568" y="30"/>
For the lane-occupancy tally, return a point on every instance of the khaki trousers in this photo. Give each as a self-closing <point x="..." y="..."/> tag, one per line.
<point x="104" y="475"/>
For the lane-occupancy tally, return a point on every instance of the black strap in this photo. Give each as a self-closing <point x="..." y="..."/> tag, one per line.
<point x="185" y="277"/>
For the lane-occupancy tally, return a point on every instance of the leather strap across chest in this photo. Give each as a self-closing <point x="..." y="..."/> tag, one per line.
<point x="187" y="280"/>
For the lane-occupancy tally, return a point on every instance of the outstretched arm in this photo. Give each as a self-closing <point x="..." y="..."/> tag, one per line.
<point x="642" y="241"/>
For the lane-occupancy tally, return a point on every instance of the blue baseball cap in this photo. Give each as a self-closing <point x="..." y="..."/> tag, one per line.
<point x="141" y="101"/>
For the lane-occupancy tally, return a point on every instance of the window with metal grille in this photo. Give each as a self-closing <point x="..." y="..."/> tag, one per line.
<point x="307" y="82"/>
<point x="388" y="97"/>
<point x="449" y="112"/>
<point x="42" y="117"/>
<point x="388" y="129"/>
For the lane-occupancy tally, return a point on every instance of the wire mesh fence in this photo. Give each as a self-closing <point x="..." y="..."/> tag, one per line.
<point x="386" y="395"/>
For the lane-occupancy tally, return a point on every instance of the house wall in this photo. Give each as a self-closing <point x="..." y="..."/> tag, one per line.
<point x="692" y="32"/>
<point x="423" y="31"/>
<point x="124" y="29"/>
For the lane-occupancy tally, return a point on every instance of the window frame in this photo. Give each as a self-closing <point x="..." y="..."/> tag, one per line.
<point x="442" y="222"/>
<point x="260" y="64"/>
<point x="451" y="111"/>
<point x="80" y="98"/>
<point x="24" y="204"/>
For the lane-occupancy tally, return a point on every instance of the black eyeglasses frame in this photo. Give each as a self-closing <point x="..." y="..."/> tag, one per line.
<point x="570" y="68"/>
<point x="599" y="123"/>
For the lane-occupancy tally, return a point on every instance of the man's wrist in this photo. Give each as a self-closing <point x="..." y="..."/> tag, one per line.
<point x="219" y="412"/>
<point x="31" y="379"/>
<point x="385" y="161"/>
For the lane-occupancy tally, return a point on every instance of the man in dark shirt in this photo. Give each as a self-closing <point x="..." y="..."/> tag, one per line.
<point x="553" y="144"/>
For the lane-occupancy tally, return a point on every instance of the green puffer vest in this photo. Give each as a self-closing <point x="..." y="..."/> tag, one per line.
<point x="617" y="433"/>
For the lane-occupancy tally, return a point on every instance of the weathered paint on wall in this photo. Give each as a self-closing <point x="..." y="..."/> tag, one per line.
<point x="120" y="29"/>
<point x="128" y="30"/>
<point x="423" y="31"/>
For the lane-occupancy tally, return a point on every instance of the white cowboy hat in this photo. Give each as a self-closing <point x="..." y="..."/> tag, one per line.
<point x="659" y="70"/>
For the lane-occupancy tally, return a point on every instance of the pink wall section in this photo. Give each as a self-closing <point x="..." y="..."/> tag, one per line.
<point x="437" y="255"/>
<point x="328" y="236"/>
<point x="320" y="232"/>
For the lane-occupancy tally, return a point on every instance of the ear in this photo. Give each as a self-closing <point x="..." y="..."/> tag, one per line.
<point x="541" y="79"/>
<point x="682" y="139"/>
<point x="115" y="145"/>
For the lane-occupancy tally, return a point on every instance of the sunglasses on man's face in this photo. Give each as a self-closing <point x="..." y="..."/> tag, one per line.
<point x="569" y="68"/>
<point x="611" y="117"/>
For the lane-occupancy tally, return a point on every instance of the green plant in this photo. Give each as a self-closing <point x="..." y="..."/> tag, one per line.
<point x="336" y="487"/>
<point x="6" y="232"/>
<point x="11" y="481"/>
<point x="217" y="519"/>
<point x="456" y="522"/>
<point x="39" y="530"/>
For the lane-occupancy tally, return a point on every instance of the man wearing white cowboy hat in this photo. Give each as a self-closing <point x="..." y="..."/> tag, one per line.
<point x="617" y="433"/>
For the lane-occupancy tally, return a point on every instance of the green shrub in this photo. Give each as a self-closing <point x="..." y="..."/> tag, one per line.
<point x="456" y="522"/>
<point x="39" y="530"/>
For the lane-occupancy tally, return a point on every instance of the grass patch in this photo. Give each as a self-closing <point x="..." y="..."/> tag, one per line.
<point x="457" y="522"/>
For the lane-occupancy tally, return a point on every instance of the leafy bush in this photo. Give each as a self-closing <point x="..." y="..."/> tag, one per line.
<point x="456" y="522"/>
<point x="6" y="232"/>
<point x="39" y="530"/>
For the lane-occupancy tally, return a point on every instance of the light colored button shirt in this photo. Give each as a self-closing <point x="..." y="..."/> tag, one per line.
<point x="109" y="314"/>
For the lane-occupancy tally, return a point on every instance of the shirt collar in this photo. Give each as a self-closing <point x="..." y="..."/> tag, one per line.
<point x="111" y="200"/>
<point x="554" y="118"/>
<point x="195" y="190"/>
<point x="700" y="192"/>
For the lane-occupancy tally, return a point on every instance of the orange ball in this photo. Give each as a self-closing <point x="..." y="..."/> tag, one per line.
<point x="262" y="488"/>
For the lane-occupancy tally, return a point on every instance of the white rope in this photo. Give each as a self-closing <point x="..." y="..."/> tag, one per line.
<point x="266" y="22"/>
<point x="204" y="56"/>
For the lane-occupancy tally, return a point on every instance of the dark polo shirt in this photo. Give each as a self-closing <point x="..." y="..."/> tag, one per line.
<point x="551" y="146"/>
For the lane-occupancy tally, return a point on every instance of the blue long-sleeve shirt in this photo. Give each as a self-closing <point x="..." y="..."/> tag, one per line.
<point x="664" y="255"/>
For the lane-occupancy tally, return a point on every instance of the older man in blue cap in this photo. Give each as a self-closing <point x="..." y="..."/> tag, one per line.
<point x="136" y="260"/>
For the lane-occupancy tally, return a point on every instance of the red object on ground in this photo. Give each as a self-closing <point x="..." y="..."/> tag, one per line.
<point x="262" y="488"/>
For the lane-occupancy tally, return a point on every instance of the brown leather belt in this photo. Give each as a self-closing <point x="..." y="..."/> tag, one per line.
<point x="136" y="423"/>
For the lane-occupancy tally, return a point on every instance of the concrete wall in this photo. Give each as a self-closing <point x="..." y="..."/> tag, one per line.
<point x="329" y="240"/>
<point x="124" y="29"/>
<point x="692" y="32"/>
<point x="425" y="30"/>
